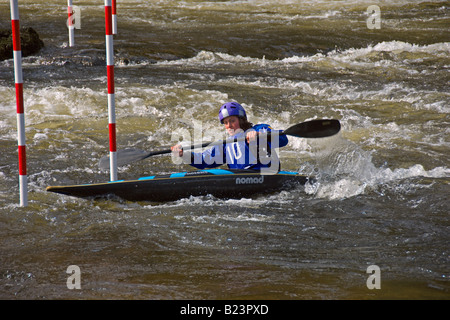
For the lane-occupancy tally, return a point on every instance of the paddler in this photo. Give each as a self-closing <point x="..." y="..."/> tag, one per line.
<point x="255" y="152"/>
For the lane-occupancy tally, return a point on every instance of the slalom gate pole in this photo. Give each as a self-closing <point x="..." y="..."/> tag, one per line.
<point x="114" y="17"/>
<point x="70" y="23"/>
<point x="111" y="101"/>
<point x="17" y="51"/>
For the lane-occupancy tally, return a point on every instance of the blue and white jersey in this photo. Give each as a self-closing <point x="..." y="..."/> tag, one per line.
<point x="243" y="155"/>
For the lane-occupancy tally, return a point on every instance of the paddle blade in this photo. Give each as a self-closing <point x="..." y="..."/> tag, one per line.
<point x="314" y="129"/>
<point x="124" y="157"/>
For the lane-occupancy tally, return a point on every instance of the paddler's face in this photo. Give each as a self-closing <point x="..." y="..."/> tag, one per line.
<point x="231" y="124"/>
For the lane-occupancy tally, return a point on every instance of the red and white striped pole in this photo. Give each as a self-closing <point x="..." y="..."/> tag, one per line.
<point x="15" y="23"/>
<point x="111" y="101"/>
<point x="114" y="17"/>
<point x="70" y="23"/>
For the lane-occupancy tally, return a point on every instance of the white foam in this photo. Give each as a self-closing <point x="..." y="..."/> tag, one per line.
<point x="345" y="170"/>
<point x="40" y="136"/>
<point x="416" y="170"/>
<point x="354" y="59"/>
<point x="211" y="58"/>
<point x="352" y="54"/>
<point x="353" y="186"/>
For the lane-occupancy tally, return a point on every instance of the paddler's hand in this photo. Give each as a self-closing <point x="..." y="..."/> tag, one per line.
<point x="251" y="135"/>
<point x="177" y="150"/>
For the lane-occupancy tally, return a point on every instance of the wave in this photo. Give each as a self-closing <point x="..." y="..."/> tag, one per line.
<point x="382" y="54"/>
<point x="349" y="187"/>
<point x="441" y="49"/>
<point x="345" y="170"/>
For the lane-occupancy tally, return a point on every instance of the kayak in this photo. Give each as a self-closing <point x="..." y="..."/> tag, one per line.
<point x="220" y="183"/>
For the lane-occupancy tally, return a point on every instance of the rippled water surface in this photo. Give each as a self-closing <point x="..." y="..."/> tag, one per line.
<point x="383" y="183"/>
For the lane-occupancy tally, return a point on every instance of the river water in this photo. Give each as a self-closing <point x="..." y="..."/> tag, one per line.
<point x="382" y="191"/>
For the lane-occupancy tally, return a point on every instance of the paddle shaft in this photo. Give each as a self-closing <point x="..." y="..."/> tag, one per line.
<point x="308" y="129"/>
<point x="206" y="144"/>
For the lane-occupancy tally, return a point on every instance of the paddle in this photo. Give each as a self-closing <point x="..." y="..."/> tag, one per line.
<point x="308" y="129"/>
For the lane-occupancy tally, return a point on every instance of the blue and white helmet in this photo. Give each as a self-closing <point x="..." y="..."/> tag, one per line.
<point x="231" y="109"/>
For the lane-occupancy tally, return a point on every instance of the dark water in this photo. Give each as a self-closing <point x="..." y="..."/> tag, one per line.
<point x="383" y="182"/>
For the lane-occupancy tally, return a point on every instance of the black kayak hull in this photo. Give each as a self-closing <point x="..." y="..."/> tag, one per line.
<point x="228" y="184"/>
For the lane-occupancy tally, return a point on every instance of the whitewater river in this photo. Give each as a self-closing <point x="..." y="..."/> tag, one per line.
<point x="382" y="191"/>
